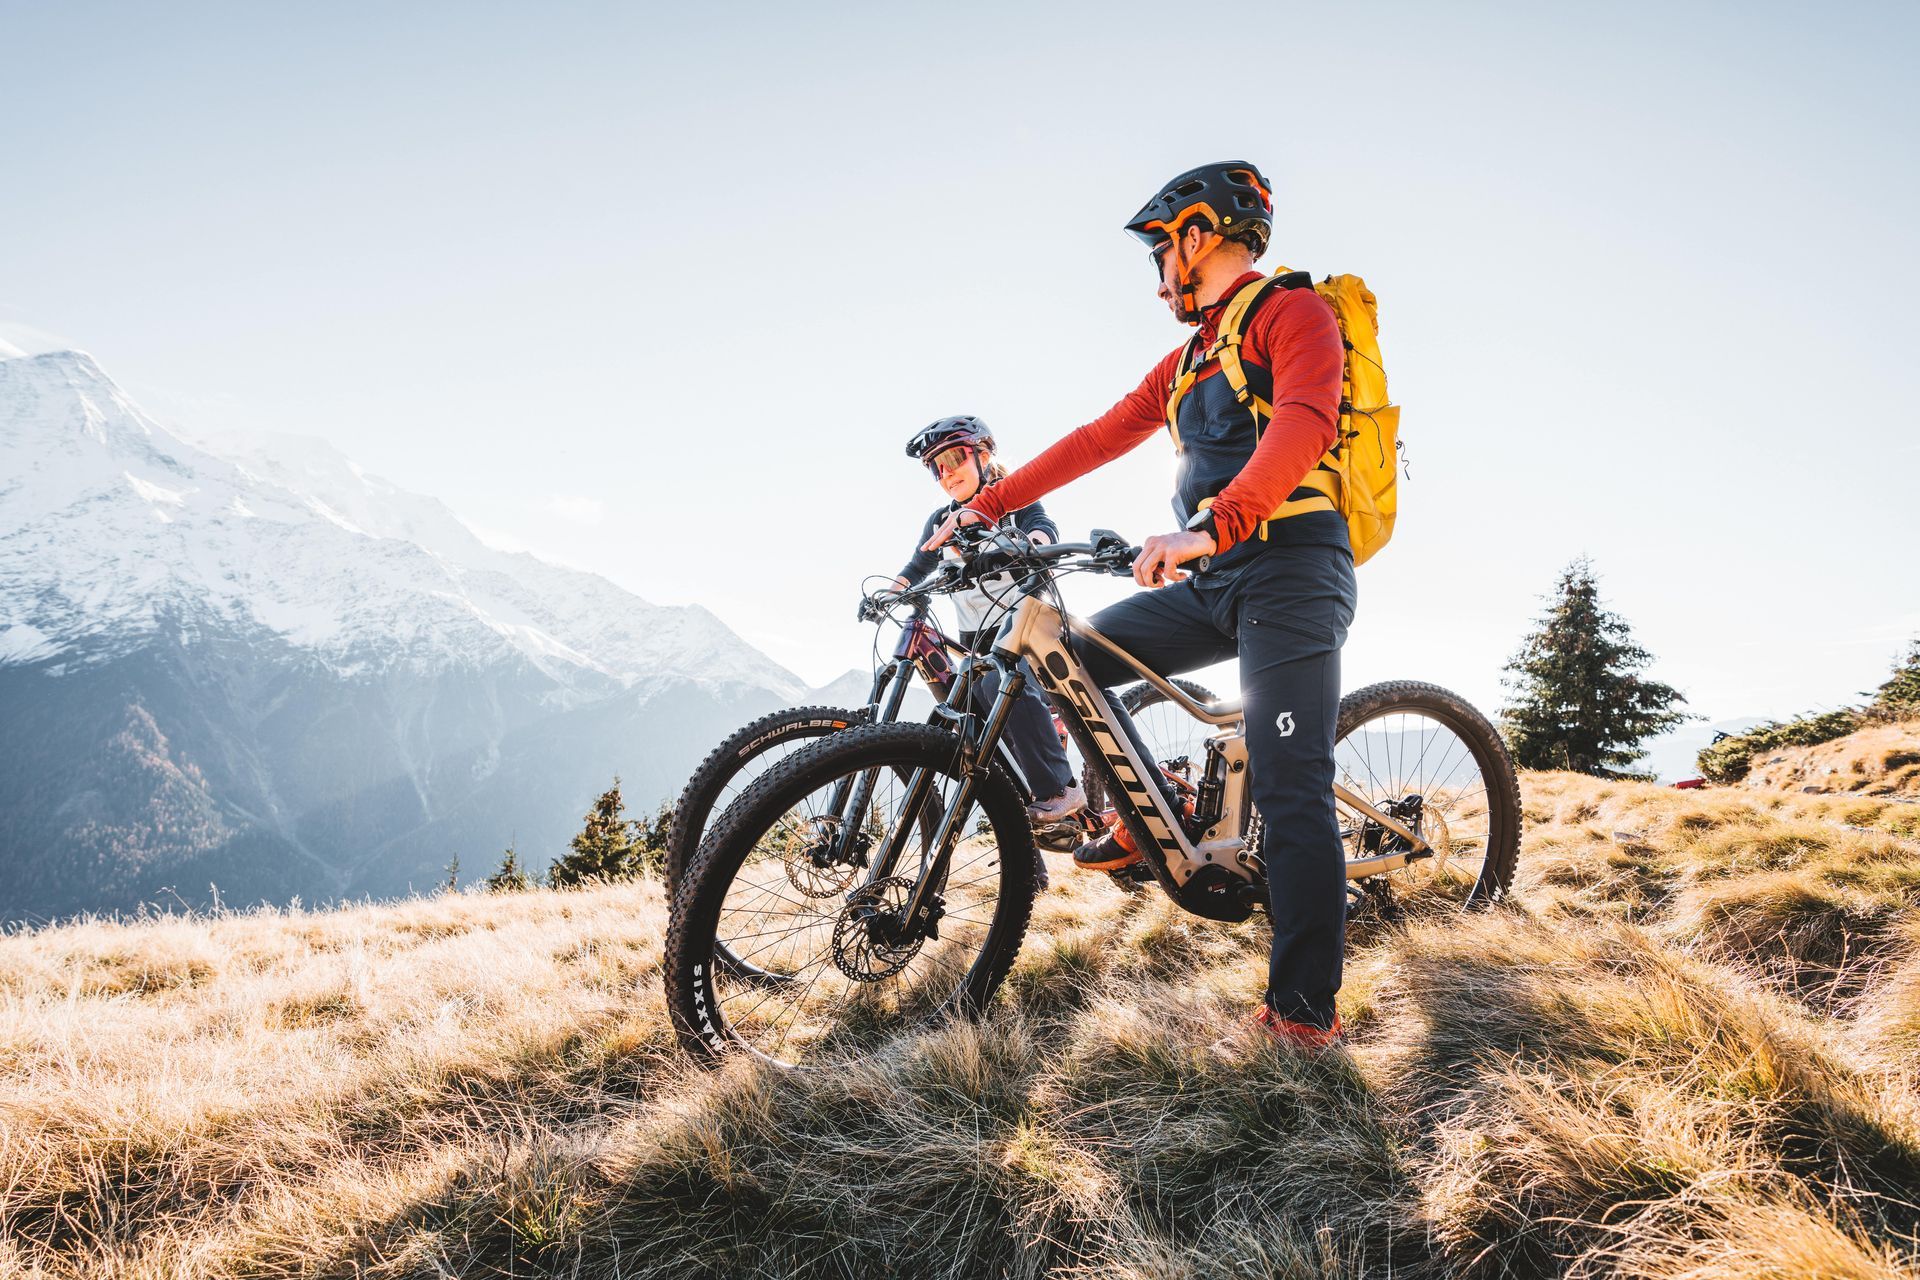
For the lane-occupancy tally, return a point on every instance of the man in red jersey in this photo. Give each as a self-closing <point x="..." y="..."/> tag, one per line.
<point x="1271" y="576"/>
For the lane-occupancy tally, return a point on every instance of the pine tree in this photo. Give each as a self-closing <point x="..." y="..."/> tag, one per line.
<point x="452" y="884"/>
<point x="1900" y="695"/>
<point x="650" y="841"/>
<point x="1579" y="703"/>
<point x="511" y="877"/>
<point x="603" y="849"/>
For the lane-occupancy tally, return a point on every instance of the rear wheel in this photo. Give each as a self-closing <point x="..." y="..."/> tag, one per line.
<point x="1426" y="758"/>
<point x="753" y="962"/>
<point x="731" y="768"/>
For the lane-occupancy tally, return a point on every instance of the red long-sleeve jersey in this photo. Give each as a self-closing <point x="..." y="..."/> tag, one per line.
<point x="1293" y="334"/>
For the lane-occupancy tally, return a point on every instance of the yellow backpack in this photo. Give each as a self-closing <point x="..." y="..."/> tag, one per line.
<point x="1358" y="475"/>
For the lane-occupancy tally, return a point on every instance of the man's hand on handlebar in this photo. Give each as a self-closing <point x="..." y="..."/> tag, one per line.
<point x="944" y="534"/>
<point x="1160" y="558"/>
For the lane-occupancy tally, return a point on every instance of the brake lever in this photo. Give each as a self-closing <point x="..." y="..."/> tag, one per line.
<point x="1118" y="560"/>
<point x="1113" y="552"/>
<point x="970" y="534"/>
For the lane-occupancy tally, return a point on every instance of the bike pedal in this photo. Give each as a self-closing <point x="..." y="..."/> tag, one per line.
<point x="1059" y="837"/>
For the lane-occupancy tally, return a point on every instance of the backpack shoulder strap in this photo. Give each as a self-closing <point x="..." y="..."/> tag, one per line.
<point x="1184" y="373"/>
<point x="1233" y="332"/>
<point x="1226" y="349"/>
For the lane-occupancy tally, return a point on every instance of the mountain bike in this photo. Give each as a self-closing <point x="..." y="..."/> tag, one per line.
<point x="922" y="650"/>
<point x="919" y="862"/>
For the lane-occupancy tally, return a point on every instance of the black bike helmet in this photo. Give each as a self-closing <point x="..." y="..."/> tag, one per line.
<point x="1229" y="194"/>
<point x="947" y="432"/>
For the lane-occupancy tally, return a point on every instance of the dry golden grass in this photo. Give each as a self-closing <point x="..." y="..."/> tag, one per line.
<point x="1880" y="758"/>
<point x="1689" y="1051"/>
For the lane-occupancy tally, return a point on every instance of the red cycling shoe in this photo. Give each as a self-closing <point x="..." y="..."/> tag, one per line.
<point x="1298" y="1035"/>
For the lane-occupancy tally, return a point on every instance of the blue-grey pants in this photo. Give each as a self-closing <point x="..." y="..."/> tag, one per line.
<point x="1285" y="613"/>
<point x="1031" y="737"/>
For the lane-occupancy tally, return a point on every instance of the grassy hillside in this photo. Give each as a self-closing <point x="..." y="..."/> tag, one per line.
<point x="1690" y="1051"/>
<point x="1881" y="757"/>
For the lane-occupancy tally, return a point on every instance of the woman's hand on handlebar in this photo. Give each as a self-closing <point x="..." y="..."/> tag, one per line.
<point x="875" y="603"/>
<point x="1160" y="558"/>
<point x="944" y="534"/>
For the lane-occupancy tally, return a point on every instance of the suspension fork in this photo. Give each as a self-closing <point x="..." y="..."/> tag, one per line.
<point x="975" y="758"/>
<point x="881" y="679"/>
<point x="954" y="694"/>
<point x="900" y="672"/>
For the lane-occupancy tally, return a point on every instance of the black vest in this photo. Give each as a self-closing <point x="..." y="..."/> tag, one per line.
<point x="1217" y="439"/>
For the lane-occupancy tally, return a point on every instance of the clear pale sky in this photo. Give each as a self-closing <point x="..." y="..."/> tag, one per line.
<point x="659" y="292"/>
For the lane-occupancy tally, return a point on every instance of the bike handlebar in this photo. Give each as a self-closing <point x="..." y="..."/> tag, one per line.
<point x="920" y="595"/>
<point x="1001" y="550"/>
<point x="987" y="550"/>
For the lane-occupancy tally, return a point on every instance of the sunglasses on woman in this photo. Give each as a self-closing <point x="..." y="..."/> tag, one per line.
<point x="950" y="459"/>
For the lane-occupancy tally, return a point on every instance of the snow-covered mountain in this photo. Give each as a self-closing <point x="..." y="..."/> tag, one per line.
<point x="253" y="665"/>
<point x="108" y="522"/>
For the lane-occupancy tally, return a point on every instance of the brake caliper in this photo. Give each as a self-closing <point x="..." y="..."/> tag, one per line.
<point x="1376" y="839"/>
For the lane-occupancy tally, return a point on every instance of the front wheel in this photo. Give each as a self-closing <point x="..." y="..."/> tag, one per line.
<point x="1427" y="759"/>
<point x="752" y="965"/>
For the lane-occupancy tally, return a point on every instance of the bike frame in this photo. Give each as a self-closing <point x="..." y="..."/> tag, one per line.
<point x="921" y="647"/>
<point x="1216" y="876"/>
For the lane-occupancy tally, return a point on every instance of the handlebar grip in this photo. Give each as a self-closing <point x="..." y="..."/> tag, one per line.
<point x="877" y="607"/>
<point x="989" y="562"/>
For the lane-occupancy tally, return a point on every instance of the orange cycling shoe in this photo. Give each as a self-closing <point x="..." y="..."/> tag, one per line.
<point x="1108" y="853"/>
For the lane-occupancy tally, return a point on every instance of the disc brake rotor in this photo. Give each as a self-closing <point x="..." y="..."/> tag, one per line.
<point x="1433" y="830"/>
<point x="863" y="947"/>
<point x="809" y="865"/>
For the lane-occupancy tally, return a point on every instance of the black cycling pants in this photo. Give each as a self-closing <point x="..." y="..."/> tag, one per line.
<point x="1285" y="614"/>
